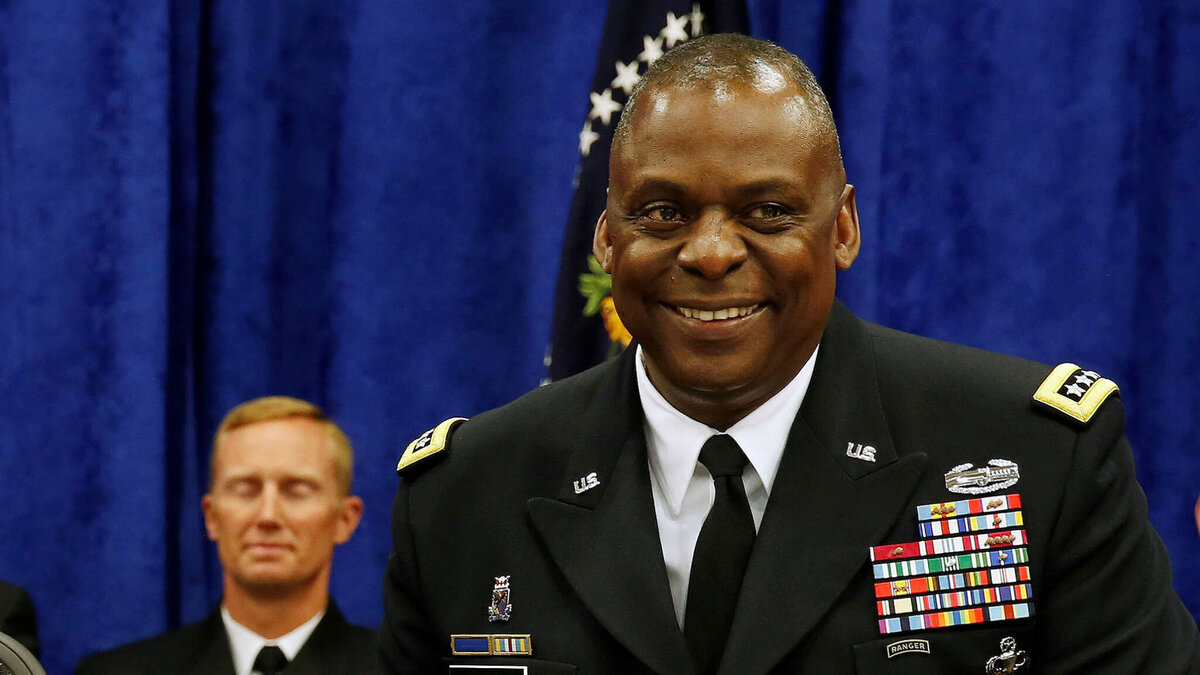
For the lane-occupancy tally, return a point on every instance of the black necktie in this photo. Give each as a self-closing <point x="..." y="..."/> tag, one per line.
<point x="270" y="660"/>
<point x="719" y="561"/>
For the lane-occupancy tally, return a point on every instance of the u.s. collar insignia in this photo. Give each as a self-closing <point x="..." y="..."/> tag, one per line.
<point x="428" y="444"/>
<point x="997" y="475"/>
<point x="1073" y="391"/>
<point x="1009" y="660"/>
<point x="501" y="607"/>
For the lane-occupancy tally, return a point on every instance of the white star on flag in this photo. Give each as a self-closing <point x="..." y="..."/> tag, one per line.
<point x="651" y="49"/>
<point x="697" y="18"/>
<point x="1075" y="390"/>
<point x="675" y="31"/>
<point x="586" y="138"/>
<point x="627" y="76"/>
<point x="603" y="106"/>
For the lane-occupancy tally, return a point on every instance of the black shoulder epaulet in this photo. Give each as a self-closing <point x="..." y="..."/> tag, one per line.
<point x="1074" y="392"/>
<point x="428" y="444"/>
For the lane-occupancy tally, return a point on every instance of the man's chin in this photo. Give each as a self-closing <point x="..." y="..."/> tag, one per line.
<point x="270" y="583"/>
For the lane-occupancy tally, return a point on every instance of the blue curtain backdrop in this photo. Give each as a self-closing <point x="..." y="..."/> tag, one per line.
<point x="362" y="203"/>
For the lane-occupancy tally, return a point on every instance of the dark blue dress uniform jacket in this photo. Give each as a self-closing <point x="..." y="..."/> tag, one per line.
<point x="336" y="647"/>
<point x="587" y="579"/>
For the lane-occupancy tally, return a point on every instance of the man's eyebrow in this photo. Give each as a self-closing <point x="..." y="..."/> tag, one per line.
<point x="772" y="186"/>
<point x="658" y="186"/>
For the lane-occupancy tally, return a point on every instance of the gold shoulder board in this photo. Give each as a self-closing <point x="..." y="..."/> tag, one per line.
<point x="1074" y="391"/>
<point x="428" y="444"/>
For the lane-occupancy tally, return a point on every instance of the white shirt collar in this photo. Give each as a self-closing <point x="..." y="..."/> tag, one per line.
<point x="244" y="644"/>
<point x="674" y="439"/>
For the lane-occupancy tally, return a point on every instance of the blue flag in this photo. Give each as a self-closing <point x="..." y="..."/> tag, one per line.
<point x="586" y="328"/>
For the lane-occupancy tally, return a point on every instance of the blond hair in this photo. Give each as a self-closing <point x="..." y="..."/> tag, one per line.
<point x="270" y="408"/>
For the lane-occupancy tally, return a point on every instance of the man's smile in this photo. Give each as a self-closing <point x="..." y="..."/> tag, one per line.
<point x="717" y="314"/>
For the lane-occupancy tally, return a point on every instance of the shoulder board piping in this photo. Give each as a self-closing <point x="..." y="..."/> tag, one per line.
<point x="428" y="444"/>
<point x="1089" y="402"/>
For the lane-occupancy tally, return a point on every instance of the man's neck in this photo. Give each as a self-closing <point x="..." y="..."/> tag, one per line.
<point x="272" y="615"/>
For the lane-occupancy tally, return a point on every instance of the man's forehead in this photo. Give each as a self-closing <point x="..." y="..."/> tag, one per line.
<point x="236" y="470"/>
<point x="729" y="103"/>
<point x="296" y="444"/>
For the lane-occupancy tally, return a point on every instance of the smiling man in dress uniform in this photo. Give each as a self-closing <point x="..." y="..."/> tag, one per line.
<point x="766" y="483"/>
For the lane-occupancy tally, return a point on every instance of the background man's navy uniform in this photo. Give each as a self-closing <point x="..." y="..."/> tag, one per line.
<point x="336" y="646"/>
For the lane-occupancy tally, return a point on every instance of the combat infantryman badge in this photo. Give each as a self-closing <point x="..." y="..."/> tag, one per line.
<point x="1009" y="660"/>
<point x="997" y="475"/>
<point x="501" y="607"/>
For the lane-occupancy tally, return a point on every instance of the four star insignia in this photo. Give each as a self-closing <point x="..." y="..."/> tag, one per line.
<point x="627" y="76"/>
<point x="603" y="106"/>
<point x="675" y="31"/>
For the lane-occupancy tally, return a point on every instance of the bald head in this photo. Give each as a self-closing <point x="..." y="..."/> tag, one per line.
<point x="722" y="63"/>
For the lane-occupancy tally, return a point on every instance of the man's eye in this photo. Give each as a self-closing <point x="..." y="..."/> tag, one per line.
<point x="243" y="488"/>
<point x="664" y="214"/>
<point x="768" y="211"/>
<point x="299" y="489"/>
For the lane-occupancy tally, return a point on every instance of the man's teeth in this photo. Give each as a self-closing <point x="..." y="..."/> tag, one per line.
<point x="716" y="315"/>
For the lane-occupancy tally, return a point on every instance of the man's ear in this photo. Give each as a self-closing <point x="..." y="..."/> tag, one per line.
<point x="348" y="519"/>
<point x="210" y="523"/>
<point x="847" y="231"/>
<point x="602" y="243"/>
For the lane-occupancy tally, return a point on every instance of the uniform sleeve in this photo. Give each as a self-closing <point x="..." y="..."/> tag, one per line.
<point x="1108" y="605"/>
<point x="406" y="638"/>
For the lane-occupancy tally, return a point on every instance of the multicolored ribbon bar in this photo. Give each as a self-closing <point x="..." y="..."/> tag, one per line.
<point x="950" y="563"/>
<point x="503" y="645"/>
<point x="995" y="521"/>
<point x="953" y="599"/>
<point x="491" y="645"/>
<point x="950" y="582"/>
<point x="956" y="617"/>
<point x="969" y="507"/>
<point x="960" y="544"/>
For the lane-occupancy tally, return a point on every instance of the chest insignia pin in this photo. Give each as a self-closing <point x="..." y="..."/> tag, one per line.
<point x="501" y="607"/>
<point x="998" y="474"/>
<point x="1009" y="660"/>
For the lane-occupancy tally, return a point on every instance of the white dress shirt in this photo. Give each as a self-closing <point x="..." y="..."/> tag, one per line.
<point x="244" y="644"/>
<point x="683" y="489"/>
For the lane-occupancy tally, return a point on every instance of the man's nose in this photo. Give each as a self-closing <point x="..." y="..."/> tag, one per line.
<point x="714" y="249"/>
<point x="268" y="507"/>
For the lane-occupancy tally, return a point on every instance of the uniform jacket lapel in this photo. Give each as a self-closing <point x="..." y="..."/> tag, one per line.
<point x="605" y="539"/>
<point x="826" y="508"/>
<point x="211" y="655"/>
<point x="324" y="651"/>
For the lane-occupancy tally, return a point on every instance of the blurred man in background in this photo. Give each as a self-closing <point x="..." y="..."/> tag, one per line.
<point x="279" y="502"/>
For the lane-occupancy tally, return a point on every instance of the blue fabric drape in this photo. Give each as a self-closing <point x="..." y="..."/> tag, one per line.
<point x="362" y="203"/>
